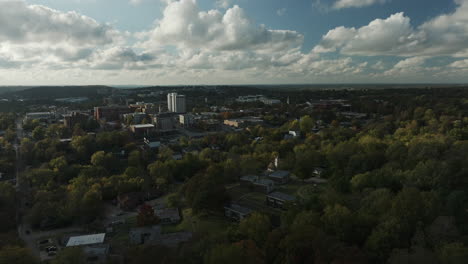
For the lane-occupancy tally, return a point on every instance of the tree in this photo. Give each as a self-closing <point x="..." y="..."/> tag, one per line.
<point x="70" y="255"/>
<point x="242" y="252"/>
<point x="146" y="216"/>
<point x="306" y="124"/>
<point x="338" y="219"/>
<point x="454" y="253"/>
<point x="58" y="164"/>
<point x="255" y="227"/>
<point x="105" y="160"/>
<point x="16" y="255"/>
<point x="38" y="133"/>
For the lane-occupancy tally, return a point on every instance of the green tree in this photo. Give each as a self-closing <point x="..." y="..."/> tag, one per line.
<point x="70" y="255"/>
<point x="256" y="227"/>
<point x="16" y="255"/>
<point x="454" y="253"/>
<point x="306" y="124"/>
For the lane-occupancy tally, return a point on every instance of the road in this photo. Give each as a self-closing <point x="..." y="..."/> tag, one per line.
<point x="22" y="189"/>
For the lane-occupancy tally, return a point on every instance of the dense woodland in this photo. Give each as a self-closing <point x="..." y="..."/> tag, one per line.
<point x="397" y="186"/>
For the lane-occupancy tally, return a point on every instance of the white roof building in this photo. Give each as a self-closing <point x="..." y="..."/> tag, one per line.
<point x="86" y="240"/>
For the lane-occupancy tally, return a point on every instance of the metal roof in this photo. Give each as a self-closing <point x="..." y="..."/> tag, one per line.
<point x="282" y="196"/>
<point x="86" y="240"/>
<point x="239" y="209"/>
<point x="279" y="174"/>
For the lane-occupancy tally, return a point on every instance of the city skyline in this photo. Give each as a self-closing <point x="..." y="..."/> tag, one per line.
<point x="166" y="42"/>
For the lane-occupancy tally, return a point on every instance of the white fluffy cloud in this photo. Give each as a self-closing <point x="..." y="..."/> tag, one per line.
<point x="22" y="23"/>
<point x="188" y="45"/>
<point x="340" y="4"/>
<point x="444" y="35"/>
<point x="35" y="34"/>
<point x="185" y="26"/>
<point x="461" y="64"/>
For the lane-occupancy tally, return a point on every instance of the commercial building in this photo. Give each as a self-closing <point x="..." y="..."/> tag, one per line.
<point x="142" y="130"/>
<point x="41" y="116"/>
<point x="243" y="122"/>
<point x="110" y="113"/>
<point x="176" y="103"/>
<point x="75" y="118"/>
<point x="186" y="120"/>
<point x="164" y="122"/>
<point x="136" y="118"/>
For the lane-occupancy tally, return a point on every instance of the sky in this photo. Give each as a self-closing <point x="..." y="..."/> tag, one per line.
<point x="172" y="42"/>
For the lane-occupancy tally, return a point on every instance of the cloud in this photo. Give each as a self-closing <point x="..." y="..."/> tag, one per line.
<point x="461" y="64"/>
<point x="184" y="26"/>
<point x="136" y="2"/>
<point x="223" y="3"/>
<point x="340" y="4"/>
<point x="281" y="12"/>
<point x="38" y="35"/>
<point x="445" y="35"/>
<point x="22" y="23"/>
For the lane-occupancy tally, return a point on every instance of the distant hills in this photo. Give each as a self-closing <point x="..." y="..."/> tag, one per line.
<point x="10" y="89"/>
<point x="52" y="92"/>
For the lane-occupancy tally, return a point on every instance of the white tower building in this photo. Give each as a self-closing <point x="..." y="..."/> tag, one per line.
<point x="176" y="103"/>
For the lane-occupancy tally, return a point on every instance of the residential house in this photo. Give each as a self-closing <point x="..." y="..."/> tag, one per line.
<point x="280" y="177"/>
<point x="168" y="215"/>
<point x="279" y="199"/>
<point x="236" y="212"/>
<point x="93" y="247"/>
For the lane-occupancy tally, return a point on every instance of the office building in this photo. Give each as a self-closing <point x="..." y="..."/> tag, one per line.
<point x="111" y="113"/>
<point x="186" y="120"/>
<point x="176" y="103"/>
<point x="164" y="122"/>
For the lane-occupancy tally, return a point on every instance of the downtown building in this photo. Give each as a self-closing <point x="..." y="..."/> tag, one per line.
<point x="176" y="103"/>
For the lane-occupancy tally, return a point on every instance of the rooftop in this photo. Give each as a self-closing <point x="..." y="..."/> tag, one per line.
<point x="282" y="196"/>
<point x="86" y="240"/>
<point x="239" y="209"/>
<point x="279" y="174"/>
<point x="144" y="126"/>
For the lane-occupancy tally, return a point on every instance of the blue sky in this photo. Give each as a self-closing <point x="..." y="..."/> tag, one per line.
<point x="232" y="41"/>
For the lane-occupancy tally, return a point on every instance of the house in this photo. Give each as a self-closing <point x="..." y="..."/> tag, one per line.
<point x="177" y="156"/>
<point x="152" y="235"/>
<point x="318" y="171"/>
<point x="248" y="180"/>
<point x="258" y="184"/>
<point x="264" y="185"/>
<point x="130" y="201"/>
<point x="236" y="212"/>
<point x="168" y="215"/>
<point x="92" y="245"/>
<point x="295" y="133"/>
<point x="280" y="177"/>
<point x="142" y="235"/>
<point x="278" y="199"/>
<point x="152" y="144"/>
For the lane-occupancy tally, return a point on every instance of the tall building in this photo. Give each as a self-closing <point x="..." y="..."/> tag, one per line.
<point x="176" y="103"/>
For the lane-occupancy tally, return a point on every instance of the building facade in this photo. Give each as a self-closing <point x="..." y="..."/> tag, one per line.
<point x="110" y="113"/>
<point x="176" y="103"/>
